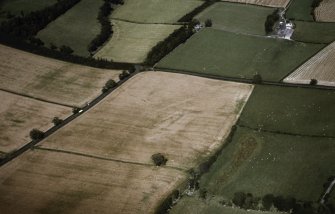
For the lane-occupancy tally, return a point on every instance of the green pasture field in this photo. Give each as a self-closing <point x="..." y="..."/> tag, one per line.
<point x="291" y="110"/>
<point x="314" y="32"/>
<point x="195" y="205"/>
<point x="155" y="11"/>
<point x="76" y="28"/>
<point x="239" y="18"/>
<point x="132" y="42"/>
<point x="15" y="7"/>
<point x="227" y="54"/>
<point x="300" y="10"/>
<point x="268" y="163"/>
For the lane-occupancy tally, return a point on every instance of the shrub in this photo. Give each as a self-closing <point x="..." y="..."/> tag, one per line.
<point x="108" y="85"/>
<point x="56" y="121"/>
<point x="124" y="75"/>
<point x="159" y="159"/>
<point x="75" y="110"/>
<point x="208" y="23"/>
<point x="268" y="201"/>
<point x="313" y="82"/>
<point x="36" y="134"/>
<point x="239" y="199"/>
<point x="257" y="79"/>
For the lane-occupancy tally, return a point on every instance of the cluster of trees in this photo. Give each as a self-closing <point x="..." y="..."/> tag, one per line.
<point x="106" y="26"/>
<point x="284" y="204"/>
<point x="28" y="25"/>
<point x="167" y="45"/>
<point x="188" y="17"/>
<point x="271" y="20"/>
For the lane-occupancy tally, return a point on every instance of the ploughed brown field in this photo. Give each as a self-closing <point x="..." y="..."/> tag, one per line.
<point x="101" y="161"/>
<point x="326" y="11"/>
<point x="268" y="3"/>
<point x="18" y="115"/>
<point x="51" y="79"/>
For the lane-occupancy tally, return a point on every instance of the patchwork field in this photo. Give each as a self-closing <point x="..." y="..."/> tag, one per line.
<point x="319" y="67"/>
<point x="76" y="28"/>
<point x="155" y="11"/>
<point x="155" y="112"/>
<point x="269" y="3"/>
<point x="15" y="7"/>
<point x="52" y="182"/>
<point x="229" y="54"/>
<point x="239" y="18"/>
<point x="326" y="11"/>
<point x="19" y="115"/>
<point x="267" y="163"/>
<point x="50" y="79"/>
<point x="314" y="32"/>
<point x="132" y="42"/>
<point x="291" y="110"/>
<point x="300" y="10"/>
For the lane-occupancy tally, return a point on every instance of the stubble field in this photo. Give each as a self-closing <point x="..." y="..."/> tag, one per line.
<point x="19" y="115"/>
<point x="326" y="11"/>
<point x="50" y="79"/>
<point x="319" y="67"/>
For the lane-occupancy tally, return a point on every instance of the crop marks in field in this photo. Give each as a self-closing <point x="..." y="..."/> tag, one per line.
<point x="132" y="42"/>
<point x="239" y="18"/>
<point x="319" y="67"/>
<point x="227" y="54"/>
<point x="268" y="3"/>
<point x="155" y="11"/>
<point x="76" y="28"/>
<point x="50" y="79"/>
<point x="19" y="115"/>
<point x="326" y="11"/>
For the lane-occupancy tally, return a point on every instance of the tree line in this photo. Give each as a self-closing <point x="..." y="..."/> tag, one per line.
<point x="106" y="26"/>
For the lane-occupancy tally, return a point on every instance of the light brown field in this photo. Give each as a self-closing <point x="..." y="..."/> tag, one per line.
<point x="18" y="115"/>
<point x="268" y="3"/>
<point x="326" y="11"/>
<point x="184" y="117"/>
<point x="319" y="67"/>
<point x="52" y="182"/>
<point x="50" y="79"/>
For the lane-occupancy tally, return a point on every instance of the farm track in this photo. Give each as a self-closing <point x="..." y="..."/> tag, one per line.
<point x="52" y="130"/>
<point x="102" y="158"/>
<point x="150" y="23"/>
<point x="36" y="98"/>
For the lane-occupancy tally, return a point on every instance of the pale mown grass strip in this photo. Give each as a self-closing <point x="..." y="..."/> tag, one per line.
<point x="155" y="11"/>
<point x="51" y="79"/>
<point x="132" y="42"/>
<point x="319" y="67"/>
<point x="268" y="3"/>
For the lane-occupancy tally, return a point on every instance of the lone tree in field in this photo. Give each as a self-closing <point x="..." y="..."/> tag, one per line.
<point x="313" y="82"/>
<point x="108" y="85"/>
<point x="159" y="159"/>
<point x="57" y="121"/>
<point x="208" y="23"/>
<point x="36" y="134"/>
<point x="257" y="79"/>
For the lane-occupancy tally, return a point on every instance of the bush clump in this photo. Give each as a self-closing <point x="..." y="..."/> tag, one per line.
<point x="36" y="134"/>
<point x="108" y="85"/>
<point x="57" y="121"/>
<point x="159" y="159"/>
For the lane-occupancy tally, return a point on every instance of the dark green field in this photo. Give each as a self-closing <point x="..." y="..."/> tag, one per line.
<point x="268" y="163"/>
<point x="240" y="18"/>
<point x="315" y="32"/>
<point x="76" y="28"/>
<point x="291" y="110"/>
<point x="300" y="10"/>
<point x="227" y="54"/>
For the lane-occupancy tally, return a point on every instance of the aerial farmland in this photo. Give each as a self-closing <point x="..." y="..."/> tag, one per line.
<point x="167" y="106"/>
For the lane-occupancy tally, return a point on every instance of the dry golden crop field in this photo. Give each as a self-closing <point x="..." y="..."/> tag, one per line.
<point x="326" y="11"/>
<point x="18" y="115"/>
<point x="50" y="79"/>
<point x="52" y="182"/>
<point x="319" y="67"/>
<point x="268" y="3"/>
<point x="184" y="117"/>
